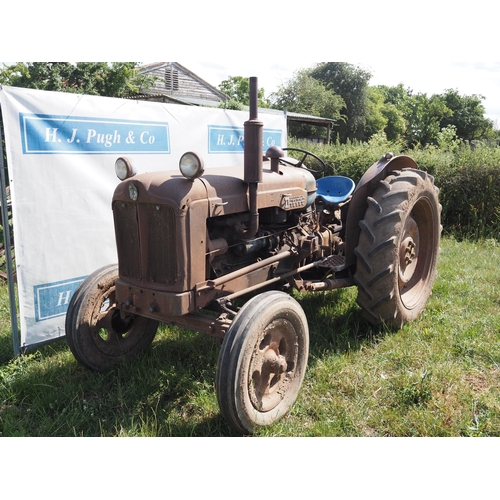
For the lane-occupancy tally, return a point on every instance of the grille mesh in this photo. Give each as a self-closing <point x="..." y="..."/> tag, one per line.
<point x="145" y="236"/>
<point x="127" y="239"/>
<point x="161" y="247"/>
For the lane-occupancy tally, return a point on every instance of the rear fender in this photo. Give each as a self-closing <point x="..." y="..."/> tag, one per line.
<point x="365" y="188"/>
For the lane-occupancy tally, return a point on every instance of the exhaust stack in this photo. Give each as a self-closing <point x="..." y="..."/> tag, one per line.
<point x="253" y="140"/>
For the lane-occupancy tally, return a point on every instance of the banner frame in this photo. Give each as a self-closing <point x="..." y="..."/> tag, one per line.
<point x="44" y="261"/>
<point x="16" y="344"/>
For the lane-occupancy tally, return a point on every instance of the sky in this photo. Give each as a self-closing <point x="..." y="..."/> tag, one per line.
<point x="421" y="76"/>
<point x="429" y="77"/>
<point x="410" y="43"/>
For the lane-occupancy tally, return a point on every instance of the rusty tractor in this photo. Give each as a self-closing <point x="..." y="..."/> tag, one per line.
<point x="219" y="252"/>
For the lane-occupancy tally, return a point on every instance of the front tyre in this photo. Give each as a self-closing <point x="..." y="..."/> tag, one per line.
<point x="262" y="361"/>
<point x="98" y="335"/>
<point x="398" y="248"/>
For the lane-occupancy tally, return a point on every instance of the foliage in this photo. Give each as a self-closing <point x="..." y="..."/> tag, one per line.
<point x="447" y="139"/>
<point x="396" y="125"/>
<point x="395" y="103"/>
<point x="467" y="115"/>
<point x="376" y="119"/>
<point x="237" y="88"/>
<point x="470" y="194"/>
<point x="352" y="158"/>
<point x="118" y="79"/>
<point x="351" y="83"/>
<point x="466" y="174"/>
<point x="336" y="90"/>
<point x="306" y="95"/>
<point x="232" y="104"/>
<point x="426" y="116"/>
<point x="396" y="111"/>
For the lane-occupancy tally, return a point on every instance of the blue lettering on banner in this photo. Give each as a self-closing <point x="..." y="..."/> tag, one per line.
<point x="231" y="139"/>
<point x="54" y="134"/>
<point x="52" y="299"/>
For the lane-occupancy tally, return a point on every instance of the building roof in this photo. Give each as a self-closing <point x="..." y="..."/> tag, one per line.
<point x="298" y="117"/>
<point x="192" y="101"/>
<point x="294" y="117"/>
<point x="151" y="67"/>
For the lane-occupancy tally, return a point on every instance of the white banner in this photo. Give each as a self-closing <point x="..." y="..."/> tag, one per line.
<point x="61" y="149"/>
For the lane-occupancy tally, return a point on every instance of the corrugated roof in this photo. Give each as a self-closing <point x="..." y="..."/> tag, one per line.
<point x="298" y="117"/>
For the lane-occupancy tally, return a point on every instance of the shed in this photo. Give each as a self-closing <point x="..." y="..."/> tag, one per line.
<point x="177" y="84"/>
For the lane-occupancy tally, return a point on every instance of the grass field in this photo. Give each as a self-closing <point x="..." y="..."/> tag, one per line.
<point x="439" y="376"/>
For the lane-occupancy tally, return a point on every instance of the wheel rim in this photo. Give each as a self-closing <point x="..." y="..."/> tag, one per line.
<point x="112" y="335"/>
<point x="416" y="252"/>
<point x="273" y="364"/>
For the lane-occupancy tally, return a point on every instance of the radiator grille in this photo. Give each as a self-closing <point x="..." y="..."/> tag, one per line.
<point x="127" y="239"/>
<point x="145" y="236"/>
<point x="161" y="245"/>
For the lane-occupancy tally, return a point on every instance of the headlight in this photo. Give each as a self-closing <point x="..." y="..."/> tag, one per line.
<point x="124" y="168"/>
<point x="191" y="165"/>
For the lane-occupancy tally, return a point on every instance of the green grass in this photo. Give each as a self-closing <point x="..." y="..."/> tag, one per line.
<point x="439" y="376"/>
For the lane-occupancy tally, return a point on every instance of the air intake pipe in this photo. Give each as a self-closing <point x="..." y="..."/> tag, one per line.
<point x="253" y="140"/>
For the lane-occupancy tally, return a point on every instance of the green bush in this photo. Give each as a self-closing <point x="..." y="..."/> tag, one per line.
<point x="350" y="159"/>
<point x="468" y="176"/>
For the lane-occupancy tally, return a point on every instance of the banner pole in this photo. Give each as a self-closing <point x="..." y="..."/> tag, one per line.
<point x="8" y="255"/>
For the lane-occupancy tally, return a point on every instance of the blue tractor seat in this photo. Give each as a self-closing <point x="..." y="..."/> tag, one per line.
<point x="334" y="189"/>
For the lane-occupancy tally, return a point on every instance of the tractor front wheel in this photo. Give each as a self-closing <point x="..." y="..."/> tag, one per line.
<point x="262" y="361"/>
<point x="98" y="334"/>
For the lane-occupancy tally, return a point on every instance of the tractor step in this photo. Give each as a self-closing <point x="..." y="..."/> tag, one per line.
<point x="334" y="262"/>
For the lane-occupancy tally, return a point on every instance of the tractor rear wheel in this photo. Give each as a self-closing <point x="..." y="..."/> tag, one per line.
<point x="98" y="335"/>
<point x="398" y="248"/>
<point x="262" y="361"/>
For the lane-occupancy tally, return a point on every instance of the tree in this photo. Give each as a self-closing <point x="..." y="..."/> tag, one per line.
<point x="237" y="88"/>
<point x="304" y="94"/>
<point x="424" y="116"/>
<point x="395" y="103"/>
<point x="418" y="116"/>
<point x="468" y="115"/>
<point x="376" y="121"/>
<point x="396" y="125"/>
<point x="351" y="83"/>
<point x="118" y="79"/>
<point x="398" y="95"/>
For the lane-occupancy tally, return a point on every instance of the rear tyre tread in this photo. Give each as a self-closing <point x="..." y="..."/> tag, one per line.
<point x="391" y="289"/>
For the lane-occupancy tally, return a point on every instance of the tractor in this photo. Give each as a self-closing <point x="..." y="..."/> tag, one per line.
<point x="221" y="251"/>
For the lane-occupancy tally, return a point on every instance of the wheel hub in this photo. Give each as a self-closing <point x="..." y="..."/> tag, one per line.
<point x="271" y="366"/>
<point x="408" y="251"/>
<point x="274" y="362"/>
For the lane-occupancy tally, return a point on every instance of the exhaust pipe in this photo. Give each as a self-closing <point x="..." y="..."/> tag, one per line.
<point x="253" y="140"/>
